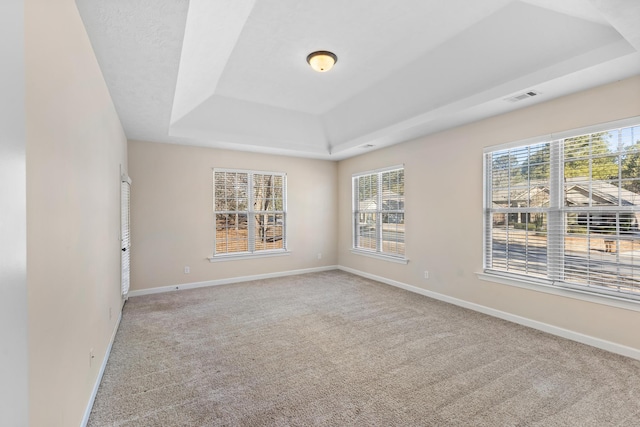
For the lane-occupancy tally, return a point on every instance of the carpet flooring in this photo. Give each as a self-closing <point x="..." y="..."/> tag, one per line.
<point x="334" y="349"/>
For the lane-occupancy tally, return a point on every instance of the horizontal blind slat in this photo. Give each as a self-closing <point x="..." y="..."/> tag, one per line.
<point x="595" y="229"/>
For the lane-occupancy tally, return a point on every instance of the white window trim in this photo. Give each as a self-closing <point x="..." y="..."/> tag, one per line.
<point x="622" y="123"/>
<point x="400" y="259"/>
<point x="374" y="171"/>
<point x="628" y="302"/>
<point x="251" y="254"/>
<point x="248" y="255"/>
<point x="548" y="288"/>
<point x="379" y="255"/>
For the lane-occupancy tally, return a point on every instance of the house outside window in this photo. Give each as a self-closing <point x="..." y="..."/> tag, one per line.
<point x="250" y="212"/>
<point x="378" y="212"/>
<point x="565" y="211"/>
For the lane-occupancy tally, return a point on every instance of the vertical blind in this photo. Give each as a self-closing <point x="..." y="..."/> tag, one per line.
<point x="125" y="239"/>
<point x="567" y="211"/>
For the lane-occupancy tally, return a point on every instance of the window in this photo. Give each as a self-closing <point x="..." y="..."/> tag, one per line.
<point x="565" y="211"/>
<point x="250" y="212"/>
<point x="378" y="212"/>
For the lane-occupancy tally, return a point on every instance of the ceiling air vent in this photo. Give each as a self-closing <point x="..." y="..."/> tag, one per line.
<point x="522" y="96"/>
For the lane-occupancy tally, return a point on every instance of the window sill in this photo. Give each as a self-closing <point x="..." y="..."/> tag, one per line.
<point x="234" y="257"/>
<point x="380" y="256"/>
<point x="548" y="288"/>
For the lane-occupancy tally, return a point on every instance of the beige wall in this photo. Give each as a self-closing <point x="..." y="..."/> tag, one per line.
<point x="75" y="146"/>
<point x="172" y="217"/>
<point x="443" y="174"/>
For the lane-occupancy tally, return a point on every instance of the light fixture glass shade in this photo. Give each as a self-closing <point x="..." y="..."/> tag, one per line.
<point x="322" y="60"/>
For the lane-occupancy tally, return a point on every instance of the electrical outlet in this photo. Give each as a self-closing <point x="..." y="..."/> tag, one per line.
<point x="110" y="313"/>
<point x="426" y="274"/>
<point x="319" y="255"/>
<point x="187" y="270"/>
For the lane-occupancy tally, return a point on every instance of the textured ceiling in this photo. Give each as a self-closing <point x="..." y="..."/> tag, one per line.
<point x="232" y="73"/>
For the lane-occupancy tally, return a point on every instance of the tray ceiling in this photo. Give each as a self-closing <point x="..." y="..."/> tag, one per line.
<point x="232" y="73"/>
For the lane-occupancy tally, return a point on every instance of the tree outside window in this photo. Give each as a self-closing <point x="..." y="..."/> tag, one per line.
<point x="250" y="211"/>
<point x="567" y="211"/>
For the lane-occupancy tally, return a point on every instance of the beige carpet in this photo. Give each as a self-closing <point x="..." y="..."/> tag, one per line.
<point x="333" y="349"/>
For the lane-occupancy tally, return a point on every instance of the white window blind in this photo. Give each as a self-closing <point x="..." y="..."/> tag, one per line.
<point x="125" y="239"/>
<point x="566" y="211"/>
<point x="378" y="211"/>
<point x="250" y="211"/>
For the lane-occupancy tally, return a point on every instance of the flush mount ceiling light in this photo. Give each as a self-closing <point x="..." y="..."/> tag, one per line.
<point x="322" y="60"/>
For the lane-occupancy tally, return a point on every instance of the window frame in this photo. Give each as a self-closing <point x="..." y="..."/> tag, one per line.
<point x="251" y="215"/>
<point x="378" y="212"/>
<point x="554" y="281"/>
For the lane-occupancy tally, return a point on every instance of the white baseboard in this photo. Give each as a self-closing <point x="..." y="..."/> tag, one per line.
<point x="554" y="330"/>
<point x="87" y="411"/>
<point x="228" y="281"/>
